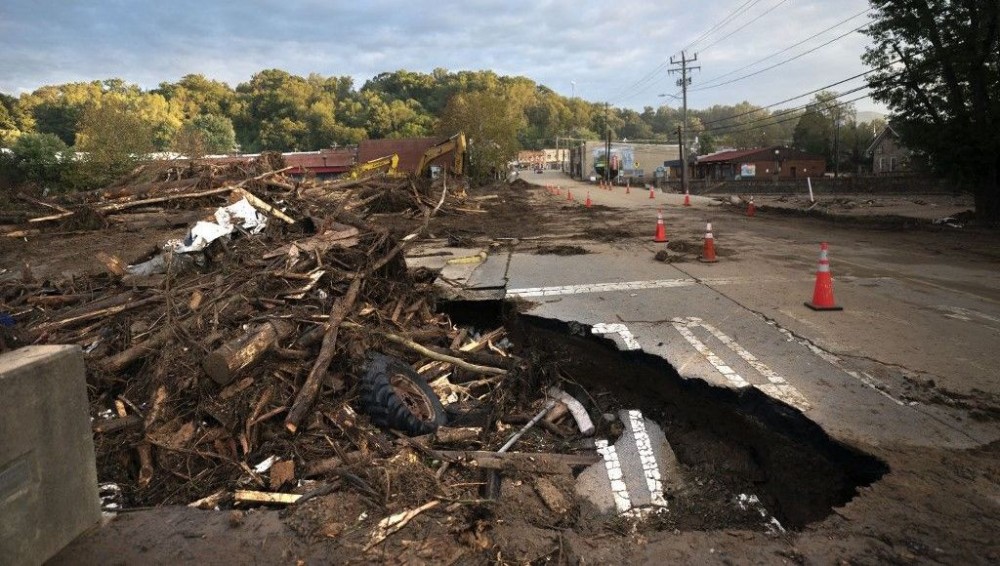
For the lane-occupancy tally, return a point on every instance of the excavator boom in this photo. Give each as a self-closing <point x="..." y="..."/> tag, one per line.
<point x="455" y="143"/>
<point x="390" y="161"/>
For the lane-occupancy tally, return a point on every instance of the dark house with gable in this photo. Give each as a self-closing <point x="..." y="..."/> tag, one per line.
<point x="888" y="155"/>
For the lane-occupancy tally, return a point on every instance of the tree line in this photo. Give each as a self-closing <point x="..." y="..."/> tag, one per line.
<point x="112" y="121"/>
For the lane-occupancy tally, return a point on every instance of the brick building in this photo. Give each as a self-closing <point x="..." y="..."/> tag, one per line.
<point x="775" y="162"/>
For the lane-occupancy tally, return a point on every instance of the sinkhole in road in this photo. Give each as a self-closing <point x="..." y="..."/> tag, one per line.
<point x="730" y="445"/>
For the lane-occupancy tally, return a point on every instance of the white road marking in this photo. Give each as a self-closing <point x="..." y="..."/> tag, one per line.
<point x="618" y="488"/>
<point x="650" y="469"/>
<point x="528" y="292"/>
<point x="727" y="372"/>
<point x="621" y="330"/>
<point x="966" y="315"/>
<point x="833" y="360"/>
<point x="777" y="386"/>
<point x="598" y="288"/>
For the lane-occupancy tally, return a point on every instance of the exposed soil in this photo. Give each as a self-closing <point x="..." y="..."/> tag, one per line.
<point x="561" y="250"/>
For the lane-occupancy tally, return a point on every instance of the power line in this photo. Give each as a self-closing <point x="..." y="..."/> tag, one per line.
<point x="708" y="84"/>
<point x="789" y="48"/>
<point x="652" y="75"/>
<point x="796" y="117"/>
<point x="730" y="34"/>
<point x="735" y="13"/>
<point x="789" y="60"/>
<point x="859" y="75"/>
<point x="782" y="113"/>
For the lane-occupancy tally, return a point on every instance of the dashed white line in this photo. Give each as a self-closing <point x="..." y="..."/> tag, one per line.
<point x="777" y="386"/>
<point x="650" y="469"/>
<point x="727" y="372"/>
<point x="621" y="330"/>
<point x="833" y="360"/>
<point x="598" y="288"/>
<point x="611" y="463"/>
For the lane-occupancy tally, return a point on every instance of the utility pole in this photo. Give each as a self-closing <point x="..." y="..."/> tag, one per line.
<point x="683" y="82"/>
<point x="607" y="145"/>
<point x="680" y="145"/>
<point x="836" y="148"/>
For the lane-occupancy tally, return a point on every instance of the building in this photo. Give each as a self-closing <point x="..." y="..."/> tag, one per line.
<point x="888" y="155"/>
<point x="323" y="163"/>
<point x="409" y="150"/>
<point x="775" y="162"/>
<point x="628" y="160"/>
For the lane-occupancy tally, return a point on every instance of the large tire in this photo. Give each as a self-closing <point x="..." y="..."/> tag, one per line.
<point x="396" y="397"/>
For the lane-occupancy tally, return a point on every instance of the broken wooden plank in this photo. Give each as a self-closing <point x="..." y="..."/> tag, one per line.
<point x="264" y="207"/>
<point x="341" y="235"/>
<point x="228" y="360"/>
<point x="119" y="423"/>
<point x="249" y="496"/>
<point x="539" y="463"/>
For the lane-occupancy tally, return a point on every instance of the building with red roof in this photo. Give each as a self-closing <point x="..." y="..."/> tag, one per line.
<point x="775" y="162"/>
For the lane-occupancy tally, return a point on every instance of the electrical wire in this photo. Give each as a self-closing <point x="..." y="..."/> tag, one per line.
<point x="787" y="49"/>
<point x="652" y="75"/>
<point x="782" y="113"/>
<point x="730" y="34"/>
<point x="848" y="79"/>
<point x="789" y="119"/>
<point x="734" y="14"/>
<point x="776" y="65"/>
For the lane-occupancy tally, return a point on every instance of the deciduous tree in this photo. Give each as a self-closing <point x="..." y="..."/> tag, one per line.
<point x="936" y="65"/>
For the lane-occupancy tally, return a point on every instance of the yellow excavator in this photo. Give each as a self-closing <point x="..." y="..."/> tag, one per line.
<point x="455" y="143"/>
<point x="390" y="161"/>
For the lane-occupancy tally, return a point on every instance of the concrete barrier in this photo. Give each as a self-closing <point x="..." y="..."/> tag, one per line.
<point x="48" y="477"/>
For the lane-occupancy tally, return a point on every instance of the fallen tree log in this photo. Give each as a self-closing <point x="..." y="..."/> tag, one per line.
<point x="228" y="360"/>
<point x="424" y="351"/>
<point x="96" y="314"/>
<point x="310" y="389"/>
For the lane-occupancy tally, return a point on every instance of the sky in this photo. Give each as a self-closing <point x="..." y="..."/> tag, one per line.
<point x="615" y="52"/>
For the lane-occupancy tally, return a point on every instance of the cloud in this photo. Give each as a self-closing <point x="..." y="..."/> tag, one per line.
<point x="604" y="48"/>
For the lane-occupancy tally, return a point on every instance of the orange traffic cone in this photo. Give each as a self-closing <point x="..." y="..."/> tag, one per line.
<point x="569" y="194"/>
<point x="661" y="230"/>
<point x="651" y="195"/>
<point x="708" y="252"/>
<point x="588" y="203"/>
<point x="751" y="208"/>
<point x="687" y="199"/>
<point x="823" y="290"/>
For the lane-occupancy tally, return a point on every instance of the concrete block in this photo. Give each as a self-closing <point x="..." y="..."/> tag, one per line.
<point x="48" y="474"/>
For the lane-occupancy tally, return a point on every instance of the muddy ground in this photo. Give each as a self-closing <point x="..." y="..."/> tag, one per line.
<point x="900" y="505"/>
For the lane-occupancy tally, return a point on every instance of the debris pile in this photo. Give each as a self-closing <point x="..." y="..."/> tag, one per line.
<point x="280" y="349"/>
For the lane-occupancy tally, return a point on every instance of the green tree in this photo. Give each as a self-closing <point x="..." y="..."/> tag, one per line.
<point x="822" y="127"/>
<point x="936" y="65"/>
<point x="57" y="109"/>
<point x="491" y="123"/>
<point x="114" y="139"/>
<point x="40" y="158"/>
<point x="706" y="143"/>
<point x="205" y="133"/>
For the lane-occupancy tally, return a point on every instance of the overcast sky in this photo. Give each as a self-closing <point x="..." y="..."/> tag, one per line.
<point x="601" y="51"/>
